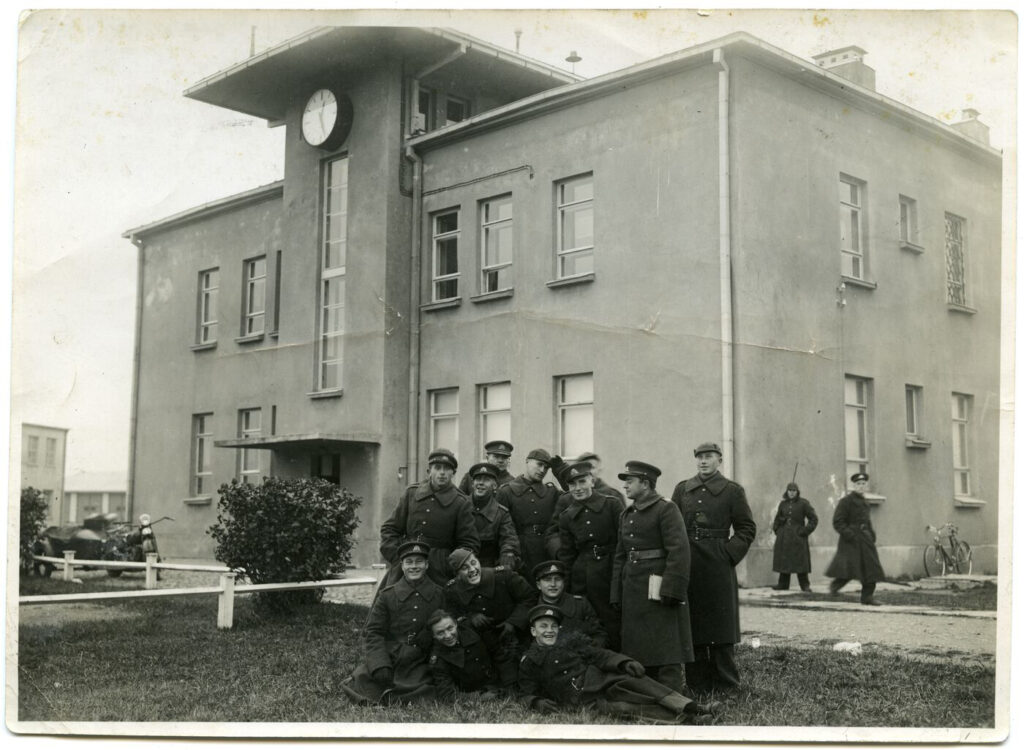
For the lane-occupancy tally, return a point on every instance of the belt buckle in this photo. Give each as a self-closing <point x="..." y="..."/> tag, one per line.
<point x="594" y="551"/>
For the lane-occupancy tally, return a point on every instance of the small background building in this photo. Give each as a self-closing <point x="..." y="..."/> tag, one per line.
<point x="43" y="454"/>
<point x="91" y="492"/>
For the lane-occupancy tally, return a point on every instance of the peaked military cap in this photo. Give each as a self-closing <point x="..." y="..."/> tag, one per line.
<point x="587" y="456"/>
<point x="413" y="548"/>
<point x="707" y="448"/>
<point x="577" y="470"/>
<point x="442" y="456"/>
<point x="458" y="558"/>
<point x="483" y="468"/>
<point x="547" y="568"/>
<point x="860" y="476"/>
<point x="545" y="610"/>
<point x="498" y="447"/>
<point x="539" y="454"/>
<point x="642" y="470"/>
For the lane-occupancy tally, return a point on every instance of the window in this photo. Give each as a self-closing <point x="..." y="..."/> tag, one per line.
<point x="575" y="399"/>
<point x="496" y="244"/>
<point x="276" y="323"/>
<point x="908" y="220"/>
<point x="255" y="301"/>
<point x="446" y="256"/>
<point x="575" y="210"/>
<point x="32" y="450"/>
<point x="914" y="396"/>
<point x="495" y="412"/>
<point x="209" y="282"/>
<point x="202" y="444"/>
<point x="50" y="459"/>
<point x="332" y="274"/>
<point x="961" y="440"/>
<point x="857" y="418"/>
<point x="250" y="425"/>
<point x="456" y="110"/>
<point x="421" y="119"/>
<point x="444" y="419"/>
<point x="851" y="229"/>
<point x="956" y="280"/>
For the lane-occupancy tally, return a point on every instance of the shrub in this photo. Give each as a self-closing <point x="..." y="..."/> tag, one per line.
<point x="285" y="530"/>
<point x="33" y="520"/>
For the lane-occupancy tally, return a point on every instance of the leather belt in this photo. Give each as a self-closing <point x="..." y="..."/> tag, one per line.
<point x="698" y="533"/>
<point x="645" y="554"/>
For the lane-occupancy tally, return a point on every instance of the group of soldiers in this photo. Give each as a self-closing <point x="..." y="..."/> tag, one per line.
<point x="561" y="593"/>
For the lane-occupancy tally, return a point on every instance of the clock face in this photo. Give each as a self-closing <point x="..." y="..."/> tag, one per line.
<point x="320" y="117"/>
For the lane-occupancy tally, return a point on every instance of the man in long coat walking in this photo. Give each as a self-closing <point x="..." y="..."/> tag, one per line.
<point x="856" y="554"/>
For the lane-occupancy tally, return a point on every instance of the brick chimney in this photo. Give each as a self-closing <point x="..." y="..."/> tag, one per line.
<point x="971" y="127"/>
<point x="848" y="62"/>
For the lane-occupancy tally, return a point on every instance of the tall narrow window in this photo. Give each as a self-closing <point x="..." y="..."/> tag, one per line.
<point x="276" y="322"/>
<point x="444" y="419"/>
<point x="209" y="286"/>
<point x="851" y="227"/>
<point x="961" y="444"/>
<point x="496" y="243"/>
<point x="50" y="458"/>
<point x="575" y="211"/>
<point x="914" y="396"/>
<point x="202" y="444"/>
<point x="250" y="425"/>
<point x="858" y="391"/>
<point x="32" y="450"/>
<point x="446" y="256"/>
<point x="908" y="220"/>
<point x="332" y="274"/>
<point x="495" y="412"/>
<point x="255" y="301"/>
<point x="421" y="119"/>
<point x="956" y="250"/>
<point x="575" y="405"/>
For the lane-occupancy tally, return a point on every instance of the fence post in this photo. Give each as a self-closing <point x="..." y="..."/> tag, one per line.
<point x="226" y="602"/>
<point x="150" y="570"/>
<point x="69" y="570"/>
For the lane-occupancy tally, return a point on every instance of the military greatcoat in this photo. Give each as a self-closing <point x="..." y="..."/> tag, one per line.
<point x="502" y="595"/>
<point x="856" y="554"/>
<point x="652" y="542"/>
<point x="497" y="532"/>
<point x="532" y="506"/>
<point x="465" y="667"/>
<point x="721" y="529"/>
<point x="794" y="522"/>
<point x="579" y="616"/>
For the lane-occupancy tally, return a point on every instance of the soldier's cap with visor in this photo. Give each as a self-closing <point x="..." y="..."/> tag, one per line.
<point x="483" y="468"/>
<point x="413" y="548"/>
<point x="642" y="470"/>
<point x="546" y="610"/>
<point x="539" y="454"/>
<point x="547" y="568"/>
<point x="498" y="448"/>
<point x="458" y="558"/>
<point x="577" y="470"/>
<point x="708" y="447"/>
<point x="442" y="456"/>
<point x="588" y="456"/>
<point x="860" y="476"/>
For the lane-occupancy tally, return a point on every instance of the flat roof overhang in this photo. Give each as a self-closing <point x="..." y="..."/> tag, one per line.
<point x="312" y="441"/>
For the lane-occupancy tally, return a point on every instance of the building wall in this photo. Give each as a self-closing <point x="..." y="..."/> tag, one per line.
<point x="43" y="469"/>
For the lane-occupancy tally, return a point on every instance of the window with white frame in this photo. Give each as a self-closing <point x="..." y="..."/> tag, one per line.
<point x="575" y="413"/>
<point x="495" y="412"/>
<point x="852" y="237"/>
<point x="858" y="424"/>
<point x="574" y="202"/>
<point x="333" y="252"/>
<point x="255" y="296"/>
<point x="250" y="425"/>
<point x="444" y="419"/>
<point x="32" y="450"/>
<point x="914" y="396"/>
<point x="956" y="265"/>
<point x="202" y="445"/>
<point x="496" y="244"/>
<point x="50" y="457"/>
<point x="908" y="220"/>
<point x="961" y="404"/>
<point x="446" y="256"/>
<point x="209" y="287"/>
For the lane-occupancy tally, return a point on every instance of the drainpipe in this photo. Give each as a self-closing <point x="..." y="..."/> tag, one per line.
<point x="136" y="363"/>
<point x="725" y="258"/>
<point x="413" y="442"/>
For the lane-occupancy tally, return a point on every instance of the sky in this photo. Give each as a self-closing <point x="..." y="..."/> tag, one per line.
<point x="106" y="142"/>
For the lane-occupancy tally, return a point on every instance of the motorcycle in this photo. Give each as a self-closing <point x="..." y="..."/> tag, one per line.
<point x="138" y="541"/>
<point x="102" y="536"/>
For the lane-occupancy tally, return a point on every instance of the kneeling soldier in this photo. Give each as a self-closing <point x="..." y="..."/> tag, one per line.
<point x="577" y="613"/>
<point x="461" y="661"/>
<point x="567" y="671"/>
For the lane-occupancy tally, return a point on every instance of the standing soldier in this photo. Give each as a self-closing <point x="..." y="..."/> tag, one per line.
<point x="434" y="512"/>
<point x="649" y="579"/>
<point x="711" y="506"/>
<point x="856" y="554"/>
<point x="794" y="522"/>
<point x="499" y="543"/>
<point x="588" y="530"/>
<point x="531" y="502"/>
<point x="498" y="454"/>
<point x="595" y="470"/>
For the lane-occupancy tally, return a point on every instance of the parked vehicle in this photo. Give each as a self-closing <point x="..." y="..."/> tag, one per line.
<point x="103" y="536"/>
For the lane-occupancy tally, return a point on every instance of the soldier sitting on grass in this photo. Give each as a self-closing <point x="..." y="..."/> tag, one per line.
<point x="567" y="671"/>
<point x="577" y="613"/>
<point x="461" y="662"/>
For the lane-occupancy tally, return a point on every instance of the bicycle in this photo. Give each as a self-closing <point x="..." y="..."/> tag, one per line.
<point x="938" y="560"/>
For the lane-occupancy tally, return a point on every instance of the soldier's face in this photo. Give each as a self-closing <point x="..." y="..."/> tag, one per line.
<point x="790" y="494"/>
<point x="483" y="485"/>
<point x="414" y="567"/>
<point x="551" y="586"/>
<point x="440" y="475"/>
<point x="535" y="470"/>
<point x="708" y="463"/>
<point x="445" y="632"/>
<point x="861" y="486"/>
<point x="545" y="630"/>
<point x="496" y="459"/>
<point x="470" y="571"/>
<point x="633" y="487"/>
<point x="581" y="487"/>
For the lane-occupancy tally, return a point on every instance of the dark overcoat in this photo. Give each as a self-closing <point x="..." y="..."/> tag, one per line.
<point x="496" y="530"/>
<point x="579" y="616"/>
<point x="653" y="633"/>
<point x="532" y="506"/>
<point x="502" y="595"/>
<point x="856" y="554"/>
<point x="794" y="522"/>
<point x="465" y="667"/>
<point x="721" y="529"/>
<point x="443" y="519"/>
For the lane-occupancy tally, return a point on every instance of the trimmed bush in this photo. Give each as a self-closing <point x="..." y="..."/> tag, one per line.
<point x="285" y="530"/>
<point x="33" y="521"/>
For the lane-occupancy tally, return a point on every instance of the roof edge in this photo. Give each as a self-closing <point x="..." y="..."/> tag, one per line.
<point x="238" y="200"/>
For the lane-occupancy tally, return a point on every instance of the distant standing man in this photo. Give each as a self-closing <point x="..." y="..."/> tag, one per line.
<point x="721" y="529"/>
<point x="435" y="512"/>
<point x="499" y="543"/>
<point x="531" y="501"/>
<point x="856" y="554"/>
<point x="794" y="522"/>
<point x="498" y="454"/>
<point x="650" y="576"/>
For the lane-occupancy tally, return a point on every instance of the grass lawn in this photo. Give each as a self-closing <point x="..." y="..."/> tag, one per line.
<point x="165" y="660"/>
<point x="983" y="597"/>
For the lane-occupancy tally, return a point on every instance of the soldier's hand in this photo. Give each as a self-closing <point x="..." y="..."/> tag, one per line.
<point x="545" y="705"/>
<point x="508" y="630"/>
<point x="670" y="601"/>
<point x="508" y="560"/>
<point x="480" y="621"/>
<point x="634" y="668"/>
<point x="384" y="676"/>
